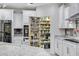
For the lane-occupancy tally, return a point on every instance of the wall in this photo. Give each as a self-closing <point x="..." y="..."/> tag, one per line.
<point x="52" y="11"/>
<point x="20" y="18"/>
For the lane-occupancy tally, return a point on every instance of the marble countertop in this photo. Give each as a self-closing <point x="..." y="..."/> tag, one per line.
<point x="70" y="38"/>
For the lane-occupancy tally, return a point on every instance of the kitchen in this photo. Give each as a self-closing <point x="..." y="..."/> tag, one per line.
<point x="56" y="26"/>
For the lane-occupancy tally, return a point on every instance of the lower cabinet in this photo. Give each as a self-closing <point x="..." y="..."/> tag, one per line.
<point x="77" y="49"/>
<point x="69" y="48"/>
<point x="17" y="40"/>
<point x="65" y="48"/>
<point x="58" y="46"/>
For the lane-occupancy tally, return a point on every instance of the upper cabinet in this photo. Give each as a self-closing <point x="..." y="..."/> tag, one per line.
<point x="6" y="14"/>
<point x="27" y="14"/>
<point x="17" y="19"/>
<point x="65" y="12"/>
<point x="61" y="16"/>
<point x="74" y="9"/>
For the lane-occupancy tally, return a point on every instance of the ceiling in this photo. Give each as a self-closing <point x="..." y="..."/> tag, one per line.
<point x="26" y="6"/>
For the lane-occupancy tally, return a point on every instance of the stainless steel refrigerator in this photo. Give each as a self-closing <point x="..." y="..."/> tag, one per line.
<point x="5" y="31"/>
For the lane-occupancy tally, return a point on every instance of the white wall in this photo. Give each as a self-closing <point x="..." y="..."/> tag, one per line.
<point x="52" y="11"/>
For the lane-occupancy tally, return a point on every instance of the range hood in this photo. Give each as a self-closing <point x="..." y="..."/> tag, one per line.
<point x="75" y="17"/>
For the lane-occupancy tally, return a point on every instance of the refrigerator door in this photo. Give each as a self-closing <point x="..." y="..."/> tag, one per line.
<point x="7" y="32"/>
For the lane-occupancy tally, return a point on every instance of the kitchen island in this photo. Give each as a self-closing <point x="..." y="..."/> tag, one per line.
<point x="66" y="46"/>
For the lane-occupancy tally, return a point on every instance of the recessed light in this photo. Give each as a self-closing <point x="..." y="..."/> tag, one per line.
<point x="4" y="6"/>
<point x="29" y="3"/>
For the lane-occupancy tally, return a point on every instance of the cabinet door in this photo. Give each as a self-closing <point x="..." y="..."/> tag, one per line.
<point x="26" y="15"/>
<point x="72" y="50"/>
<point x="69" y="49"/>
<point x="64" y="49"/>
<point x="6" y="14"/>
<point x="18" y="20"/>
<point x="77" y="49"/>
<point x="17" y="40"/>
<point x="66" y="12"/>
<point x="74" y="9"/>
<point x="61" y="16"/>
<point x="58" y="46"/>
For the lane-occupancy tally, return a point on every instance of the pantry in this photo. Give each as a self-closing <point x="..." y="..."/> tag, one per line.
<point x="40" y="32"/>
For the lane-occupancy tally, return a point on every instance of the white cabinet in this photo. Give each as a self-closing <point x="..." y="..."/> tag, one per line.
<point x="70" y="24"/>
<point x="17" y="20"/>
<point x="65" y="12"/>
<point x="27" y="14"/>
<point x="6" y="14"/>
<point x="77" y="49"/>
<point x="58" y="45"/>
<point x="66" y="48"/>
<point x="61" y="16"/>
<point x="74" y="9"/>
<point x="27" y="43"/>
<point x="17" y="40"/>
<point x="69" y="48"/>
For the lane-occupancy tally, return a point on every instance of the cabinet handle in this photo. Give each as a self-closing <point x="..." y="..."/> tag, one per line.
<point x="57" y="44"/>
<point x="67" y="50"/>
